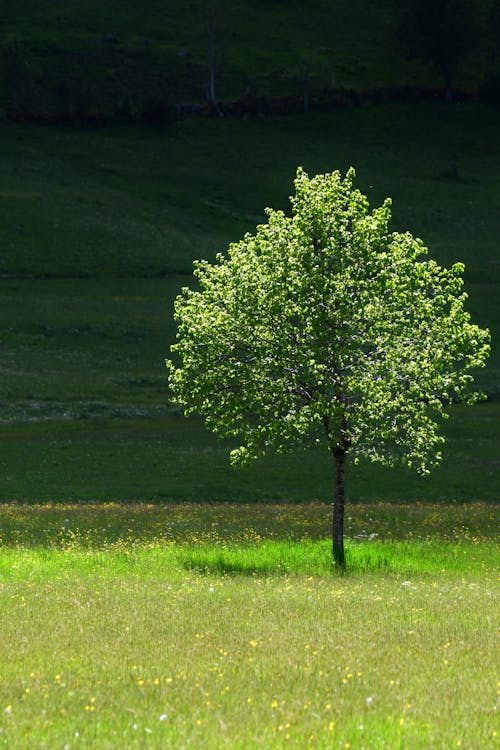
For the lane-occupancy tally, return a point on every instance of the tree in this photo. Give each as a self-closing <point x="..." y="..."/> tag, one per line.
<point x="326" y="328"/>
<point x="442" y="33"/>
<point x="214" y="17"/>
<point x="211" y="62"/>
<point x="491" y="85"/>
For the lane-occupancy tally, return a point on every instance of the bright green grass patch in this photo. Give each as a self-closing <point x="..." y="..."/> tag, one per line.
<point x="225" y="626"/>
<point x="316" y="558"/>
<point x="266" y="558"/>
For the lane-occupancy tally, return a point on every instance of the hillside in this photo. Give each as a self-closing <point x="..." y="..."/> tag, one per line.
<point x="125" y="60"/>
<point x="147" y="202"/>
<point x="99" y="229"/>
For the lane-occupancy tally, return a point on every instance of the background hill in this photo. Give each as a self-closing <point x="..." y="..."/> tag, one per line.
<point x="100" y="225"/>
<point x="130" y="60"/>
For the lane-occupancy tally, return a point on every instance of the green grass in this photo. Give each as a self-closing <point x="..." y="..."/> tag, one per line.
<point x="117" y="526"/>
<point x="226" y="626"/>
<point x="132" y="202"/>
<point x="268" y="558"/>
<point x="314" y="557"/>
<point x="168" y="458"/>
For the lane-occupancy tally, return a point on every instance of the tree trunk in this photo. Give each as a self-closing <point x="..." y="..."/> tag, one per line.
<point x="447" y="78"/>
<point x="339" y="455"/>
<point x="211" y="73"/>
<point x="211" y="62"/>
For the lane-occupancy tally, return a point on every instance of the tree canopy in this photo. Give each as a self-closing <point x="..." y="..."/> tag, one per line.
<point x="326" y="327"/>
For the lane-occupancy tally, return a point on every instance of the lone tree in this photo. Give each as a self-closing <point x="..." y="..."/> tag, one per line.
<point x="324" y="327"/>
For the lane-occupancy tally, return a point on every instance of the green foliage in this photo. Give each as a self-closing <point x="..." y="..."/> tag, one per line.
<point x="325" y="323"/>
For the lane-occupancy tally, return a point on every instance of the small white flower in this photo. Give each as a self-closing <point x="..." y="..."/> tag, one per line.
<point x="148" y="730"/>
<point x="163" y="717"/>
<point x="369" y="700"/>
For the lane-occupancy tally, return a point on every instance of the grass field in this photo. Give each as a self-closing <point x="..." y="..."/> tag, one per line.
<point x="172" y="459"/>
<point x="225" y="626"/>
<point x="121" y="202"/>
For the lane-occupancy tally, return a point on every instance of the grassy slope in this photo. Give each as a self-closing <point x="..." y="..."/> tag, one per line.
<point x="125" y="206"/>
<point x="138" y="202"/>
<point x="169" y="459"/>
<point x="260" y="46"/>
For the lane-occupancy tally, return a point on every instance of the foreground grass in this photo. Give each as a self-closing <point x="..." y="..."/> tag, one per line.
<point x="212" y="627"/>
<point x="216" y="661"/>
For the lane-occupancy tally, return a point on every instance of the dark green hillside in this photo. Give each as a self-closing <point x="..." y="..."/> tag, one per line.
<point x="96" y="227"/>
<point x="126" y="201"/>
<point x="126" y="59"/>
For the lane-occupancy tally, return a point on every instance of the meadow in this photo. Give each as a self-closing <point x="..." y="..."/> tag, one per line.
<point x="226" y="626"/>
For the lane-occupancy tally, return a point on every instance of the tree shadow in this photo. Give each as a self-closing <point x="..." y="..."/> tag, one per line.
<point x="274" y="560"/>
<point x="262" y="560"/>
<point x="227" y="567"/>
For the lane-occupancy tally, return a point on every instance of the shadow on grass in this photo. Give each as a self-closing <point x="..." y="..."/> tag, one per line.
<point x="268" y="558"/>
<point x="315" y="558"/>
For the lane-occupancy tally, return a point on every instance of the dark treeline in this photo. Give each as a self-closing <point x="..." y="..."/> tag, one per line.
<point x="159" y="111"/>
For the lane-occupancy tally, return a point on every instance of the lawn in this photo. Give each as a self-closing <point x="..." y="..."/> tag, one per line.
<point x="226" y="626"/>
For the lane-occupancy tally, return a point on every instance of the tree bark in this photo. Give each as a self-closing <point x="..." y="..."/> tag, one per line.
<point x="211" y="62"/>
<point x="339" y="455"/>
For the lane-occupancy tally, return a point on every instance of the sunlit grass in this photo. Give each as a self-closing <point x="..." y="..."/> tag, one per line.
<point x="227" y="626"/>
<point x="266" y="558"/>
